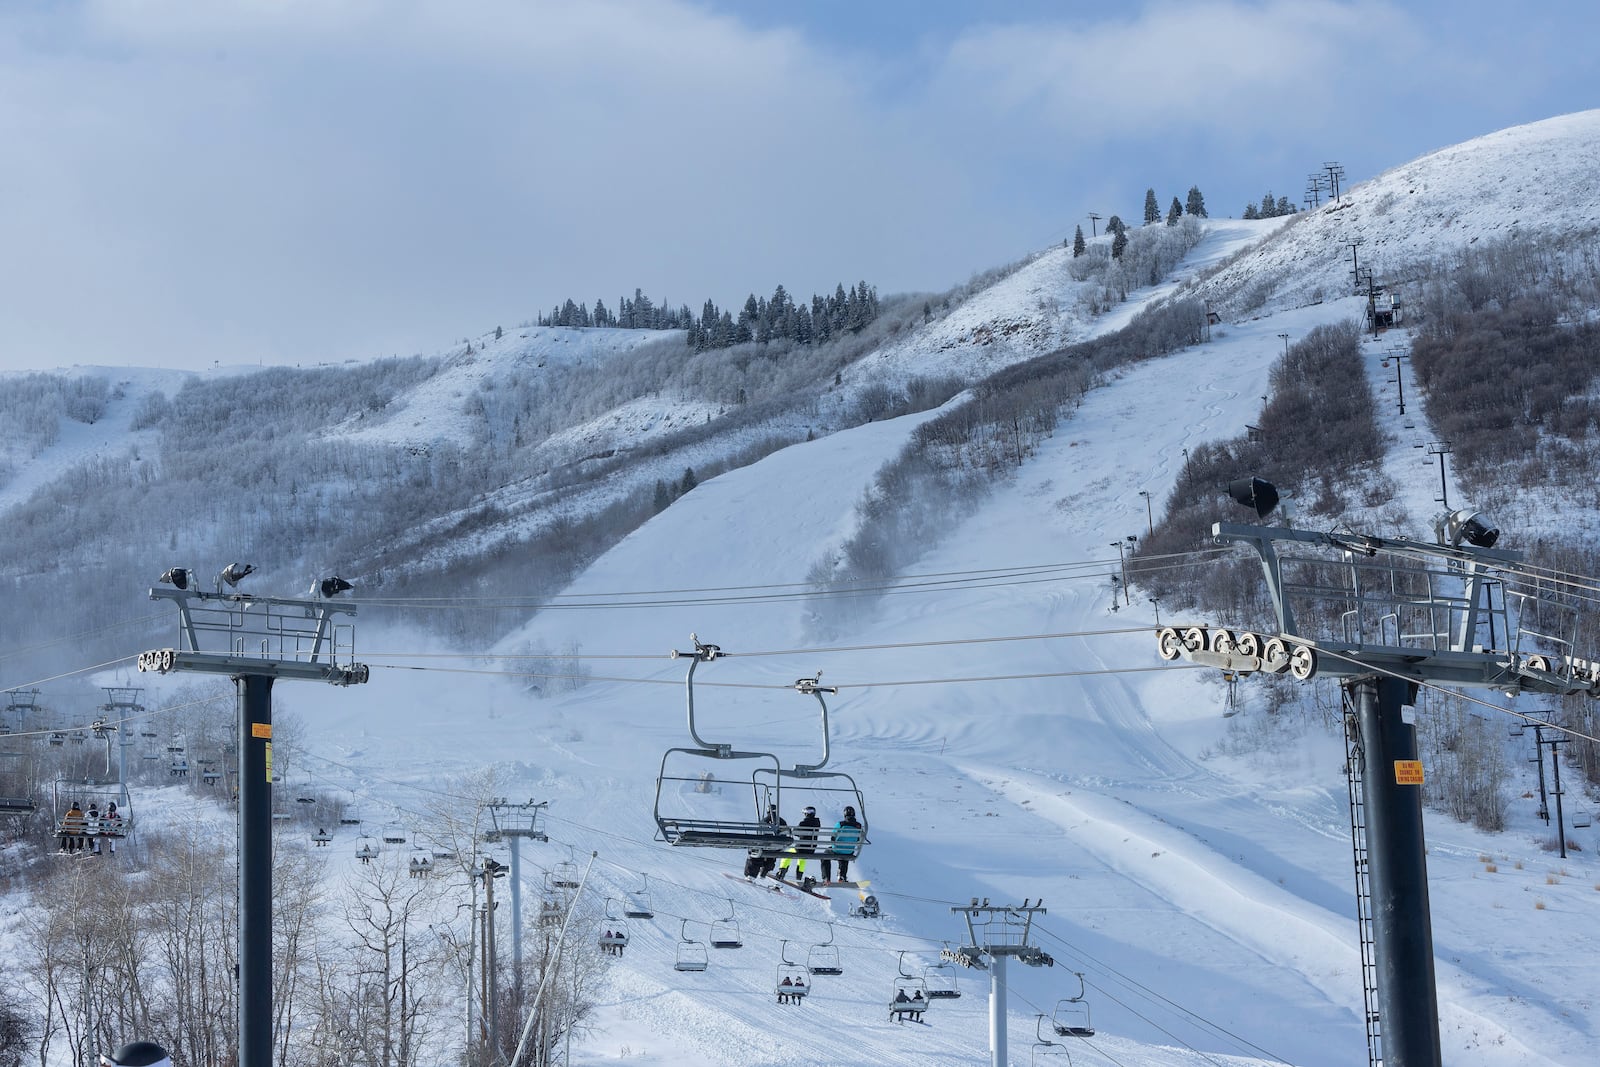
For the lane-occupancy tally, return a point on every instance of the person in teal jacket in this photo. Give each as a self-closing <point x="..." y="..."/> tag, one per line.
<point x="846" y="839"/>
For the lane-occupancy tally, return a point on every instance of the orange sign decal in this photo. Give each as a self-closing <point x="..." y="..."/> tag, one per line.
<point x="261" y="729"/>
<point x="1407" y="772"/>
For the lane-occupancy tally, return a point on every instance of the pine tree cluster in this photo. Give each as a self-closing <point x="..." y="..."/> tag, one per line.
<point x="782" y="317"/>
<point x="1270" y="207"/>
<point x="636" y="314"/>
<point x="760" y="320"/>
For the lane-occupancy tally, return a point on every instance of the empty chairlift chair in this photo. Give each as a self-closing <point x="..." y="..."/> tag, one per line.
<point x="691" y="953"/>
<point x="824" y="958"/>
<point x="394" y="834"/>
<point x="1071" y="1017"/>
<point x="638" y="905"/>
<point x="1047" y="1053"/>
<point x="725" y="932"/>
<point x="707" y="796"/>
<point x="940" y="979"/>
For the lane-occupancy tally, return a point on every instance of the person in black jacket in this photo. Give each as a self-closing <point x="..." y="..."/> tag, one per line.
<point x="755" y="864"/>
<point x="805" y="844"/>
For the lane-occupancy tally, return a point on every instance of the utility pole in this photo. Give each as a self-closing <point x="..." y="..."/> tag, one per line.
<point x="1285" y="339"/>
<point x="1149" y="515"/>
<point x="1093" y="220"/>
<point x="998" y="933"/>
<point x="1441" y="449"/>
<point x="291" y="639"/>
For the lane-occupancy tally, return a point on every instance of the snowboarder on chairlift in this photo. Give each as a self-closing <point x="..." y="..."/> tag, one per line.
<point x="846" y="837"/>
<point x="91" y="828"/>
<point x="805" y="844"/>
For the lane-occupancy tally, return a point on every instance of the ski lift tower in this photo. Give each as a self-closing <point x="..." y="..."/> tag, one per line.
<point x="515" y="821"/>
<point x="255" y="641"/>
<point x="998" y="932"/>
<point x="1385" y="616"/>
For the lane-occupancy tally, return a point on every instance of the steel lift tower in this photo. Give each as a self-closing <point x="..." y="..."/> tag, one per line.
<point x="256" y="640"/>
<point x="1385" y="616"/>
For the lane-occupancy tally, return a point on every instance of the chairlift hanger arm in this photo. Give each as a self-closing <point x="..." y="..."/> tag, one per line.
<point x="702" y="653"/>
<point x="813" y="687"/>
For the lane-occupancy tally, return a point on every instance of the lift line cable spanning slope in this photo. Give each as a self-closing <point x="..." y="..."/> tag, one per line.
<point x="1103" y="569"/>
<point x="1145" y="991"/>
<point x="821" y="650"/>
<point x="774" y="686"/>
<point x="126" y="624"/>
<point x="1017" y="570"/>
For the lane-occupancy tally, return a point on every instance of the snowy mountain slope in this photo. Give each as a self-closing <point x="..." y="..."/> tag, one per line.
<point x="433" y="412"/>
<point x="1173" y="876"/>
<point x="1532" y="179"/>
<point x="1196" y="868"/>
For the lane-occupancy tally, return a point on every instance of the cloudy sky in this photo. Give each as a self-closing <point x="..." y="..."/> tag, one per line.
<point x="291" y="181"/>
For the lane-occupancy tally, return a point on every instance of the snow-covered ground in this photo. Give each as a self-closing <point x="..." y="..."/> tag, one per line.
<point x="1206" y="899"/>
<point x="1014" y="739"/>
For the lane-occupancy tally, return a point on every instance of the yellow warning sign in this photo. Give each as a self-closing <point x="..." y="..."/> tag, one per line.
<point x="1407" y="772"/>
<point x="261" y="729"/>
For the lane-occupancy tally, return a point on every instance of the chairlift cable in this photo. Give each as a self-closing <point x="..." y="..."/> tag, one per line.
<point x="821" y="650"/>
<point x="1148" y="992"/>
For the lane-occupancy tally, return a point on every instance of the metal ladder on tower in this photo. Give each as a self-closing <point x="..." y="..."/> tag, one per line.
<point x="1354" y="776"/>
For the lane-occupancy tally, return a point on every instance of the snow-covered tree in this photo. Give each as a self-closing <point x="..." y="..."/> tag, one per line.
<point x="1152" y="207"/>
<point x="1196" y="203"/>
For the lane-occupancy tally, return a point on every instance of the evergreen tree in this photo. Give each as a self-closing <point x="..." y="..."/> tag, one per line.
<point x="1269" y="206"/>
<point x="1119" y="243"/>
<point x="1115" y="225"/>
<point x="1152" y="208"/>
<point x="663" y="497"/>
<point x="1174" y="213"/>
<point x="1284" y="207"/>
<point x="1079" y="245"/>
<point x="497" y="333"/>
<point x="1196" y="204"/>
<point x="688" y="481"/>
<point x="1250" y="212"/>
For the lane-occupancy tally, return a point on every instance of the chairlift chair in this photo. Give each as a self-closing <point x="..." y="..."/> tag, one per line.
<point x="691" y="953"/>
<point x="725" y="932"/>
<point x="366" y="849"/>
<point x="941" y="980"/>
<point x="349" y="817"/>
<point x="420" y="865"/>
<point x="552" y="909"/>
<point x="1047" y="1053"/>
<point x="613" y="929"/>
<point x="1071" y="1017"/>
<point x="791" y="982"/>
<point x="210" y="775"/>
<point x="280" y="816"/>
<point x="689" y="813"/>
<point x="823" y="958"/>
<point x="910" y="996"/>
<point x="565" y="875"/>
<point x="321" y="837"/>
<point x="394" y="834"/>
<point x="807" y="784"/>
<point x="638" y="903"/>
<point x="1581" y="819"/>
